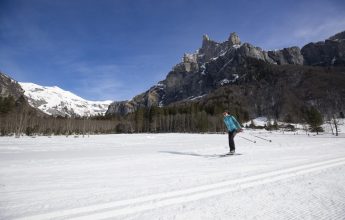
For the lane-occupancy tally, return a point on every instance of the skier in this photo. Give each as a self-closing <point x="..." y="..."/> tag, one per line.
<point x="233" y="128"/>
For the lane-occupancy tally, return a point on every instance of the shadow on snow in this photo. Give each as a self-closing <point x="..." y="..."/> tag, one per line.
<point x="198" y="155"/>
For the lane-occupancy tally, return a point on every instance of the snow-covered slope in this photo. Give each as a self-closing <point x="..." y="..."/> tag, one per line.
<point x="56" y="101"/>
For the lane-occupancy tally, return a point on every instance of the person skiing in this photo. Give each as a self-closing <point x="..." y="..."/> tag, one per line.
<point x="233" y="128"/>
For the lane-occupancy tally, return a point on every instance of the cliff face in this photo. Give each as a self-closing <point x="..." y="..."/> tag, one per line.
<point x="330" y="52"/>
<point x="282" y="92"/>
<point x="228" y="64"/>
<point x="290" y="55"/>
<point x="10" y="87"/>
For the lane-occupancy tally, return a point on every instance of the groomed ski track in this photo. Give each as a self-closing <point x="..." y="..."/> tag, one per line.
<point x="155" y="201"/>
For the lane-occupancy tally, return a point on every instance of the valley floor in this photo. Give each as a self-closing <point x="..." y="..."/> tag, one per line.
<point x="173" y="176"/>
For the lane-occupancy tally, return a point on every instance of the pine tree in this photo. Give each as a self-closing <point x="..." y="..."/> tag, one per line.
<point x="314" y="119"/>
<point x="139" y="120"/>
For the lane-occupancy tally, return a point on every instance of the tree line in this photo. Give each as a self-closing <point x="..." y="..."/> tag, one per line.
<point x="17" y="117"/>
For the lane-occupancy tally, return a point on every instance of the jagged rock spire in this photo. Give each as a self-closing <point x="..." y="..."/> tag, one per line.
<point x="205" y="40"/>
<point x="234" y="39"/>
<point x="205" y="37"/>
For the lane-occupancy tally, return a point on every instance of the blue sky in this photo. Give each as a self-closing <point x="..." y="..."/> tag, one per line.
<point x="112" y="49"/>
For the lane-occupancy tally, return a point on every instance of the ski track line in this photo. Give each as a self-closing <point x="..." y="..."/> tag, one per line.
<point x="131" y="206"/>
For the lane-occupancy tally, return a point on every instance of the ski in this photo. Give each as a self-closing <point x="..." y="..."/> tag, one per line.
<point x="229" y="155"/>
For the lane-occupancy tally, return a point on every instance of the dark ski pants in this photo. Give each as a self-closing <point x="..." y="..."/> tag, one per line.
<point x="231" y="140"/>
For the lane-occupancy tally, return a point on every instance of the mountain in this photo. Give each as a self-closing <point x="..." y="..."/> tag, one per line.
<point x="10" y="87"/>
<point x="13" y="103"/>
<point x="18" y="117"/>
<point x="273" y="83"/>
<point x="56" y="101"/>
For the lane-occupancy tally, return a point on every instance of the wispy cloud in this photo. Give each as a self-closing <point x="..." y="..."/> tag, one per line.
<point x="321" y="30"/>
<point x="97" y="81"/>
<point x="100" y="82"/>
<point x="309" y="23"/>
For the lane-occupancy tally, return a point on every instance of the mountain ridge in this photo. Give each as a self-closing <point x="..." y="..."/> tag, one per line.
<point x="55" y="101"/>
<point x="217" y="65"/>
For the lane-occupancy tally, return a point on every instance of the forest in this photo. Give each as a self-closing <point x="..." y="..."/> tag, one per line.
<point x="18" y="118"/>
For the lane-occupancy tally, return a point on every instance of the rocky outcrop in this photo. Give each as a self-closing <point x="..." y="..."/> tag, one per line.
<point x="330" y="52"/>
<point x="248" y="50"/>
<point x="190" y="62"/>
<point x="291" y="55"/>
<point x="122" y="108"/>
<point x="234" y="39"/>
<point x="10" y="87"/>
<point x="210" y="49"/>
<point x="153" y="97"/>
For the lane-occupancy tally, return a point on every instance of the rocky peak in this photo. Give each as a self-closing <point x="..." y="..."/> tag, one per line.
<point x="338" y="36"/>
<point x="205" y="38"/>
<point x="206" y="41"/>
<point x="210" y="49"/>
<point x="234" y="39"/>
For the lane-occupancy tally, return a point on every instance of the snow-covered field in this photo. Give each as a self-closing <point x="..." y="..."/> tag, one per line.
<point x="173" y="176"/>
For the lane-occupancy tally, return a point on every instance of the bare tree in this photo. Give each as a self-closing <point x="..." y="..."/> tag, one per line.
<point x="336" y="122"/>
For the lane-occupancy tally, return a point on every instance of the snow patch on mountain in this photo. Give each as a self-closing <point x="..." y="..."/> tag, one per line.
<point x="56" y="101"/>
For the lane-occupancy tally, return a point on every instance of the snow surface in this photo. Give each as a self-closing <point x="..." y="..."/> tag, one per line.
<point x="224" y="81"/>
<point x="260" y="121"/>
<point x="173" y="176"/>
<point x="56" y="101"/>
<point x="236" y="46"/>
<point x="327" y="126"/>
<point x="192" y="98"/>
<point x="227" y="81"/>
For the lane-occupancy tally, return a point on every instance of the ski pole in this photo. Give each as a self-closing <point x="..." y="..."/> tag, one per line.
<point x="261" y="138"/>
<point x="247" y="139"/>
